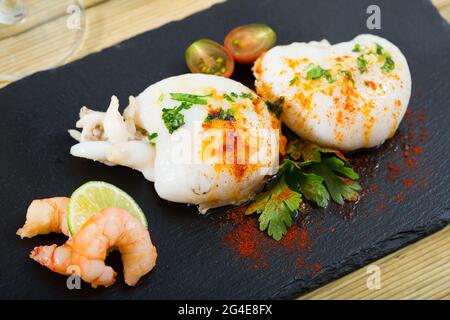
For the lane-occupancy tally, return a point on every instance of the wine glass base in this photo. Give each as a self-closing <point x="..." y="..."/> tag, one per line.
<point x="44" y="35"/>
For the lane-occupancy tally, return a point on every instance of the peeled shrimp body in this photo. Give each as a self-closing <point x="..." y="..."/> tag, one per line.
<point x="45" y="216"/>
<point x="87" y="250"/>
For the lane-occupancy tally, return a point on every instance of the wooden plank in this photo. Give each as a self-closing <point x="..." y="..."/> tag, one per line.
<point x="444" y="8"/>
<point x="107" y="23"/>
<point x="419" y="271"/>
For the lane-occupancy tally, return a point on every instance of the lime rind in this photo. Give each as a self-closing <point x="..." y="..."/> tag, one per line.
<point x="95" y="196"/>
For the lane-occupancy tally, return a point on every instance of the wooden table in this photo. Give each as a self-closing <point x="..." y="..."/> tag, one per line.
<point x="419" y="271"/>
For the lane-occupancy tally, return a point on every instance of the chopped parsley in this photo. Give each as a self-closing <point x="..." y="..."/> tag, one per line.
<point x="151" y="138"/>
<point x="173" y="118"/>
<point x="311" y="172"/>
<point x="348" y="75"/>
<point x="276" y="107"/>
<point x="190" y="98"/>
<point x="379" y="49"/>
<point x="293" y="80"/>
<point x="228" y="97"/>
<point x="357" y="48"/>
<point x="233" y="96"/>
<point x="221" y="114"/>
<point x="318" y="72"/>
<point x="388" y="64"/>
<point x="362" y="64"/>
<point x="161" y="97"/>
<point x="245" y="95"/>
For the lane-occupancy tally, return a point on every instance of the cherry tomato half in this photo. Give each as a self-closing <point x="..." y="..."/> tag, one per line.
<point x="207" y="56"/>
<point x="246" y="43"/>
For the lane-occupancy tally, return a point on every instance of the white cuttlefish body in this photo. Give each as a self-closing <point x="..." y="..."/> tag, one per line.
<point x="348" y="96"/>
<point x="219" y="155"/>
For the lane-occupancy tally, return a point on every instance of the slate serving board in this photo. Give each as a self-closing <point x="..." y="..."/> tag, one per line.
<point x="194" y="260"/>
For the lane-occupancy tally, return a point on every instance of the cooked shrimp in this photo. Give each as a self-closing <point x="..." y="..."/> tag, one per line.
<point x="112" y="227"/>
<point x="45" y="216"/>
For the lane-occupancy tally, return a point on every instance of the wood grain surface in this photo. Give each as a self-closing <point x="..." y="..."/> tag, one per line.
<point x="419" y="271"/>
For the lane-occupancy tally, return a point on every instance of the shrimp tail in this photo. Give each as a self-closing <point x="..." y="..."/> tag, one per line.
<point x="57" y="259"/>
<point x="60" y="260"/>
<point x="107" y="278"/>
<point x="45" y="216"/>
<point x="139" y="260"/>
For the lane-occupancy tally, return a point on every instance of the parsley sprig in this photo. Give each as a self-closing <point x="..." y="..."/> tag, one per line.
<point x="310" y="172"/>
<point x="276" y="208"/>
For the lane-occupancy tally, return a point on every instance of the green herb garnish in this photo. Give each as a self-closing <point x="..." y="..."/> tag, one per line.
<point x="315" y="72"/>
<point x="245" y="95"/>
<point x="221" y="114"/>
<point x="379" y="49"/>
<point x="293" y="80"/>
<point x="190" y="98"/>
<point x="388" y="64"/>
<point x="276" y="107"/>
<point x="276" y="208"/>
<point x="311" y="172"/>
<point x="309" y="185"/>
<point x="362" y="64"/>
<point x="173" y="119"/>
<point x="228" y="97"/>
<point x="310" y="152"/>
<point x="357" y="48"/>
<point x="338" y="179"/>
<point x="318" y="72"/>
<point x="151" y="138"/>
<point x="348" y="75"/>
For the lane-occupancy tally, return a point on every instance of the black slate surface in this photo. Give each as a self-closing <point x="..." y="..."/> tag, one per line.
<point x="194" y="260"/>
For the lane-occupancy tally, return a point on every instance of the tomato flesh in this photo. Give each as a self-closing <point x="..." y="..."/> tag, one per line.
<point x="209" y="57"/>
<point x="246" y="43"/>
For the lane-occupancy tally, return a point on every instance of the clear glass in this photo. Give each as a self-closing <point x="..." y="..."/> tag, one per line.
<point x="37" y="35"/>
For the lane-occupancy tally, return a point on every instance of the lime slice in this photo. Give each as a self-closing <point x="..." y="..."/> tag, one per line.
<point x="95" y="196"/>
